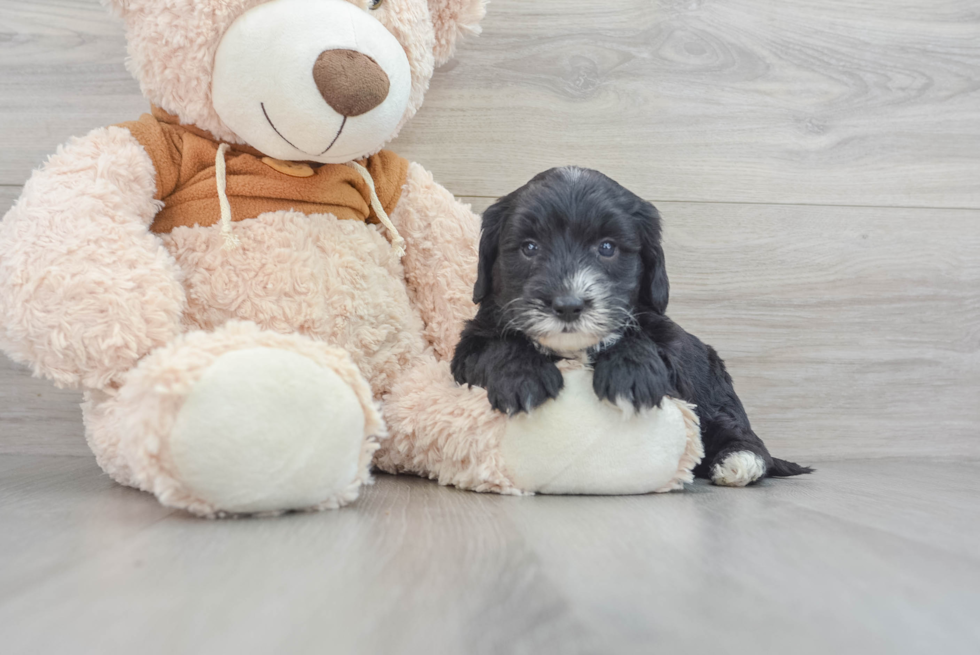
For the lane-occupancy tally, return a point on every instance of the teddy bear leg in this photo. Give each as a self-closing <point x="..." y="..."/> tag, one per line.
<point x="575" y="444"/>
<point x="443" y="431"/>
<point x="104" y="435"/>
<point x="240" y="421"/>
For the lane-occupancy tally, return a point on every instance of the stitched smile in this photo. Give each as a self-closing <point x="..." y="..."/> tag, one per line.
<point x="273" y="125"/>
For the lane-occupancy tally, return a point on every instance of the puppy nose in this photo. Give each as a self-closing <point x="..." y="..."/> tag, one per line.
<point x="351" y="82"/>
<point x="568" y="308"/>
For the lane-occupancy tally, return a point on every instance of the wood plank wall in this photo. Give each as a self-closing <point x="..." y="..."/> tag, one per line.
<point x="817" y="165"/>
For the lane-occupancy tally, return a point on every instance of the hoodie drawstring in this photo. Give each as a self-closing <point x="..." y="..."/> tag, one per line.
<point x="397" y="242"/>
<point x="232" y="241"/>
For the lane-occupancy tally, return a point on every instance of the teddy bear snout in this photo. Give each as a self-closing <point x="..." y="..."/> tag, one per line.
<point x="350" y="81"/>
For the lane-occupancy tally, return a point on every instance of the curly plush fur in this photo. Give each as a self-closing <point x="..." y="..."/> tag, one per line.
<point x="85" y="289"/>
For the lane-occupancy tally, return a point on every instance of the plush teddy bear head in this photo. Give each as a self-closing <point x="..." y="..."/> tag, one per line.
<point x="303" y="80"/>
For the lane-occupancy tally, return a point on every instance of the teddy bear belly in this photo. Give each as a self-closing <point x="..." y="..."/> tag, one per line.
<point x="313" y="274"/>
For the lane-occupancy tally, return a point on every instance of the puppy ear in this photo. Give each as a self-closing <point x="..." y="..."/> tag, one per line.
<point x="493" y="220"/>
<point x="451" y="19"/>
<point x="654" y="286"/>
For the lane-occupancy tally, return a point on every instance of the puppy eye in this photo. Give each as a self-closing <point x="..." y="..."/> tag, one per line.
<point x="607" y="249"/>
<point x="529" y="248"/>
<point x="374" y="4"/>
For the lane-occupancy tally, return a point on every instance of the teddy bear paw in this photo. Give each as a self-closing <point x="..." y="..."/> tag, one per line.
<point x="268" y="430"/>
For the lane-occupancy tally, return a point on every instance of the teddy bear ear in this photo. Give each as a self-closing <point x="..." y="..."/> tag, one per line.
<point x="452" y="19"/>
<point x="118" y="7"/>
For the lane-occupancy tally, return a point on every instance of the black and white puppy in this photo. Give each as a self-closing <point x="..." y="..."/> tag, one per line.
<point x="571" y="266"/>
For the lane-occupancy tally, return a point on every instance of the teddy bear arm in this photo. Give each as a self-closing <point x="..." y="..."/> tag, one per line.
<point x="441" y="236"/>
<point x="85" y="289"/>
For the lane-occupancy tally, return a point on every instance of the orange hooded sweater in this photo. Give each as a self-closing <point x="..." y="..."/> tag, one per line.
<point x="184" y="158"/>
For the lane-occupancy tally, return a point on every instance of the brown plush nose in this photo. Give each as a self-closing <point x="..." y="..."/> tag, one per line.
<point x="351" y="82"/>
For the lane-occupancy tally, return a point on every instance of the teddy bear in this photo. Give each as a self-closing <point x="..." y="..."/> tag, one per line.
<point x="260" y="302"/>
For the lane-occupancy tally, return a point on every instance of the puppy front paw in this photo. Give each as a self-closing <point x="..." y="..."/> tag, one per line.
<point x="517" y="376"/>
<point x="634" y="375"/>
<point x="522" y="385"/>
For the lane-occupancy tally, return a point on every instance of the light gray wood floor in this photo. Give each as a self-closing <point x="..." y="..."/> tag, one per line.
<point x="866" y="556"/>
<point x="818" y="168"/>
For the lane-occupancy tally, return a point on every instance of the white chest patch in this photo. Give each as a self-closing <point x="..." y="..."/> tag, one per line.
<point x="569" y="344"/>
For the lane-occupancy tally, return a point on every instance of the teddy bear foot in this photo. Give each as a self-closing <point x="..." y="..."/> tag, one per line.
<point x="244" y="421"/>
<point x="576" y="444"/>
<point x="266" y="430"/>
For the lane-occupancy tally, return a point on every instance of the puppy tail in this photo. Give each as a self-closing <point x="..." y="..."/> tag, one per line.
<point x="783" y="469"/>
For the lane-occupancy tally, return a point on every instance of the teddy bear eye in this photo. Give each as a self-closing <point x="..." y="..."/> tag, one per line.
<point x="374" y="4"/>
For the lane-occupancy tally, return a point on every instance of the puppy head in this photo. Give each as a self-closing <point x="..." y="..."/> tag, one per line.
<point x="570" y="258"/>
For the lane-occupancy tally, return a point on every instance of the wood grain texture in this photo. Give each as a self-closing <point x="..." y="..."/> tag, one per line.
<point x="62" y="74"/>
<point x="849" y="560"/>
<point x="837" y="102"/>
<point x="850" y="332"/>
<point x="36" y="417"/>
<point x="59" y="511"/>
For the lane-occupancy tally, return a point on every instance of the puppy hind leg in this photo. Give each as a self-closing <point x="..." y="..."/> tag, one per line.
<point x="737" y="458"/>
<point x="738" y="469"/>
<point x="734" y="455"/>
